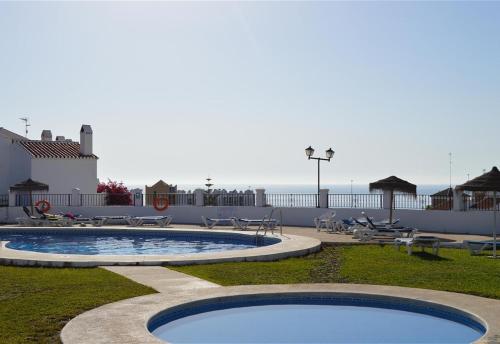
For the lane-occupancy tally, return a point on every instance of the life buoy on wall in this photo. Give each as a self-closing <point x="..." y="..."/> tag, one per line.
<point x="43" y="205"/>
<point x="157" y="201"/>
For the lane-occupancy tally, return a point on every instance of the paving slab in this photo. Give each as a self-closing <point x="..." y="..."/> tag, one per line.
<point x="161" y="279"/>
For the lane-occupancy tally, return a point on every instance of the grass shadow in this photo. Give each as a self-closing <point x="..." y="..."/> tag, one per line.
<point x="429" y="256"/>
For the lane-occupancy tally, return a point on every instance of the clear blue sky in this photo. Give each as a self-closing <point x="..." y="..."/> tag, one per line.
<point x="236" y="91"/>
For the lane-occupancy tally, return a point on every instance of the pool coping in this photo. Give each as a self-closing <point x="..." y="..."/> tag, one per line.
<point x="289" y="246"/>
<point x="126" y="321"/>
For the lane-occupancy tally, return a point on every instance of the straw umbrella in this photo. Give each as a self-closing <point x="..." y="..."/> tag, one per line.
<point x="30" y="185"/>
<point x="487" y="182"/>
<point x="392" y="184"/>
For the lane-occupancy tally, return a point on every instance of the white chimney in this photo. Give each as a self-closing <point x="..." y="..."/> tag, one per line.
<point x="60" y="138"/>
<point x="86" y="140"/>
<point x="46" y="135"/>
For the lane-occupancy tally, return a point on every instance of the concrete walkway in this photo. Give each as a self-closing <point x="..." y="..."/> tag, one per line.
<point x="162" y="279"/>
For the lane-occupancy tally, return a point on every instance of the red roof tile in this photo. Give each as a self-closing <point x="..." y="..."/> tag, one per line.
<point x="54" y="149"/>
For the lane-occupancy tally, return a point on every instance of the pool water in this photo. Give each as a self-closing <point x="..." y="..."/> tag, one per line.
<point x="129" y="244"/>
<point x="314" y="323"/>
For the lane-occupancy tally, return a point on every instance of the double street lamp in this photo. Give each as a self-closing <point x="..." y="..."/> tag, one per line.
<point x="329" y="156"/>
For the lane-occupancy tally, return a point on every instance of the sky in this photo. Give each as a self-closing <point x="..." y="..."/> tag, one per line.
<point x="237" y="90"/>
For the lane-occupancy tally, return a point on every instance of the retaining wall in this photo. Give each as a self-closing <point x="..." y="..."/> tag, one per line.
<point x="466" y="222"/>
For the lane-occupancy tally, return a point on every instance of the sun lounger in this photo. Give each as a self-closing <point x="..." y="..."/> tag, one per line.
<point x="47" y="219"/>
<point x="422" y="241"/>
<point x="162" y="221"/>
<point x="326" y="221"/>
<point x="29" y="220"/>
<point x="211" y="223"/>
<point x="103" y="220"/>
<point x="373" y="229"/>
<point x="476" y="247"/>
<point x="243" y="224"/>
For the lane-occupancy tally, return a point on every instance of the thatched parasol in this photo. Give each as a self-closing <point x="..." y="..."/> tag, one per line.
<point x="489" y="181"/>
<point x="392" y="184"/>
<point x="30" y="185"/>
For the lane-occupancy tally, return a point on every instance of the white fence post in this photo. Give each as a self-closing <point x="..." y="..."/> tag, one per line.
<point x="198" y="196"/>
<point x="323" y="198"/>
<point x="260" y="197"/>
<point x="76" y="198"/>
<point x="458" y="200"/>
<point x="12" y="198"/>
<point x="136" y="195"/>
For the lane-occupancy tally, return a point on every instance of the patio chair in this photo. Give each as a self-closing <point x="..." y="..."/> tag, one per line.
<point x="48" y="219"/>
<point x="29" y="220"/>
<point x="161" y="221"/>
<point x="211" y="222"/>
<point x="372" y="229"/>
<point x="347" y="226"/>
<point x="422" y="241"/>
<point x="476" y="247"/>
<point x="103" y="220"/>
<point x="326" y="221"/>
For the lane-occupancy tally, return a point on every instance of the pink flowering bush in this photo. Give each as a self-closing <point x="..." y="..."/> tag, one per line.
<point x="117" y="193"/>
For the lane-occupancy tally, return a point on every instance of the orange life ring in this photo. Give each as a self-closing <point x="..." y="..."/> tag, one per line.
<point x="156" y="202"/>
<point x="43" y="205"/>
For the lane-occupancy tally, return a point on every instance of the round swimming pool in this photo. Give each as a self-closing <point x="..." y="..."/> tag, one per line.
<point x="131" y="242"/>
<point x="302" y="318"/>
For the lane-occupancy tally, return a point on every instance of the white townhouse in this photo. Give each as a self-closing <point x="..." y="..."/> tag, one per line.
<point x="61" y="163"/>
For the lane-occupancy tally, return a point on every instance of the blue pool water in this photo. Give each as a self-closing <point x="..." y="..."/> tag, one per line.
<point x="314" y="321"/>
<point x="130" y="243"/>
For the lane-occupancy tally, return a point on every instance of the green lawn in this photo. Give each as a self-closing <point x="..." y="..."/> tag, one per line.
<point x="36" y="303"/>
<point x="455" y="270"/>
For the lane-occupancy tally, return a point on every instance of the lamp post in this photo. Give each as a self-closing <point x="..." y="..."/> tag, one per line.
<point x="329" y="156"/>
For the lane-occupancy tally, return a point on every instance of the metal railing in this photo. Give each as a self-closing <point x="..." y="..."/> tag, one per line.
<point x="4" y="200"/>
<point x="292" y="200"/>
<point x="480" y="201"/>
<point x="475" y="202"/>
<point x="229" y="199"/>
<point x="404" y="201"/>
<point x="174" y="199"/>
<point x="367" y="201"/>
<point x="106" y="199"/>
<point x="26" y="199"/>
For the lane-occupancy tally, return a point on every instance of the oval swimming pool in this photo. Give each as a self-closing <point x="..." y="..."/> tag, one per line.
<point x="99" y="242"/>
<point x="313" y="318"/>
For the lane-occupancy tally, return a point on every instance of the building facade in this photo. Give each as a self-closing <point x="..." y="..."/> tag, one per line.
<point x="62" y="164"/>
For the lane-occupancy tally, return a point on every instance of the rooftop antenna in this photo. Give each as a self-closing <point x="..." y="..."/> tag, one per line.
<point x="26" y="124"/>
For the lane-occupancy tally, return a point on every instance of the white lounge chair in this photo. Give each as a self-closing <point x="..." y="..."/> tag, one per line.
<point x="243" y="224"/>
<point x="371" y="229"/>
<point x="47" y="220"/>
<point x="422" y="241"/>
<point x="476" y="247"/>
<point x="326" y="221"/>
<point x="211" y="223"/>
<point x="161" y="221"/>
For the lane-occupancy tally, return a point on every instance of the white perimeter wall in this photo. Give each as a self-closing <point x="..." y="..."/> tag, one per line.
<point x="62" y="175"/>
<point x="470" y="222"/>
